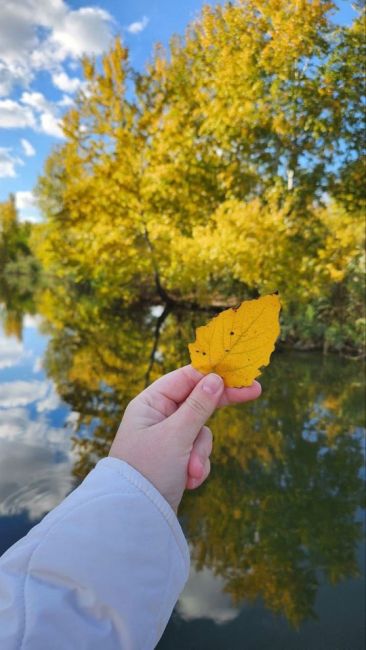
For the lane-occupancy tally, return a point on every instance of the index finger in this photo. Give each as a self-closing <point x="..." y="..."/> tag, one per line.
<point x="178" y="384"/>
<point x="240" y="395"/>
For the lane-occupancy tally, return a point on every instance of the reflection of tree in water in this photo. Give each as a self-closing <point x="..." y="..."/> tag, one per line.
<point x="277" y="515"/>
<point x="100" y="360"/>
<point x="19" y="271"/>
<point x="17" y="297"/>
<point x="278" y="511"/>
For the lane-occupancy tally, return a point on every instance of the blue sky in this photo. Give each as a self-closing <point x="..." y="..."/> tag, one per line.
<point x="41" y="42"/>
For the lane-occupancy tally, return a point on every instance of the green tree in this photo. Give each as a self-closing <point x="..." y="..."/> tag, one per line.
<point x="12" y="235"/>
<point x="345" y="80"/>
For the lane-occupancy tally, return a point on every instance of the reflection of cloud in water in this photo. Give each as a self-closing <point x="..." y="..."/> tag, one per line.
<point x="35" y="457"/>
<point x="38" y="365"/>
<point x="32" y="322"/>
<point x="32" y="478"/>
<point x="51" y="402"/>
<point x="11" y="352"/>
<point x="203" y="597"/>
<point x="20" y="393"/>
<point x="16" y="425"/>
<point x="72" y="420"/>
<point x="157" y="310"/>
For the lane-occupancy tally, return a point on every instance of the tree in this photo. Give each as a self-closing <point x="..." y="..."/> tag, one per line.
<point x="211" y="178"/>
<point x="345" y="80"/>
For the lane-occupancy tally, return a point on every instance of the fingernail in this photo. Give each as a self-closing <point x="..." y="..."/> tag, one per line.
<point x="212" y="384"/>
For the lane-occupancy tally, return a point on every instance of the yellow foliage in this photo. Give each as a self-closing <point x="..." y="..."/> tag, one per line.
<point x="205" y="182"/>
<point x="343" y="244"/>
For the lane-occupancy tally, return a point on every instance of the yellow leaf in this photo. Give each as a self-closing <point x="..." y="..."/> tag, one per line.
<point x="239" y="341"/>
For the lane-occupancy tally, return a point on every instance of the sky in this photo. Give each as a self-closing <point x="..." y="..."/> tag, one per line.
<point x="41" y="42"/>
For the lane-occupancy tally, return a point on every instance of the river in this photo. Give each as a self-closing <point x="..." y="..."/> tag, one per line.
<point x="276" y="534"/>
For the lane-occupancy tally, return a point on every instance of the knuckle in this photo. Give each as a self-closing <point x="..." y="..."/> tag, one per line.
<point x="196" y="406"/>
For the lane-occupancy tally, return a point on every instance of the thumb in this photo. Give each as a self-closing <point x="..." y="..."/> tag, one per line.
<point x="197" y="408"/>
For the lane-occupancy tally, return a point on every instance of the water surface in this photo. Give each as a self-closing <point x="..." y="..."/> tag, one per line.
<point x="276" y="534"/>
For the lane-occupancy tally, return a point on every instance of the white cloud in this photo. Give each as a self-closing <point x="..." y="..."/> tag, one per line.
<point x="36" y="100"/>
<point x="48" y="122"/>
<point x="11" y="74"/>
<point x="27" y="206"/>
<point x="27" y="147"/>
<point x="138" y="26"/>
<point x="40" y="34"/>
<point x="85" y="31"/>
<point x="14" y="115"/>
<point x="25" y="200"/>
<point x="66" y="101"/>
<point x="68" y="84"/>
<point x="32" y="218"/>
<point x="17" y="31"/>
<point x="48" y="13"/>
<point x="23" y="114"/>
<point x="51" y="125"/>
<point x="8" y="163"/>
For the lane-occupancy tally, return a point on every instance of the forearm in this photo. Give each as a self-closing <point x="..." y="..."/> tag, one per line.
<point x="104" y="569"/>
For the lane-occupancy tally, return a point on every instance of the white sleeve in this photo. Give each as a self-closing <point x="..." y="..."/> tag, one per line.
<point x="102" y="570"/>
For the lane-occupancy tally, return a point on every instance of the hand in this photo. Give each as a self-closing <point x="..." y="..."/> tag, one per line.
<point x="162" y="433"/>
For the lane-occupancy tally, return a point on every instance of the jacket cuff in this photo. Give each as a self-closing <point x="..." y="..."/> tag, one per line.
<point x="126" y="472"/>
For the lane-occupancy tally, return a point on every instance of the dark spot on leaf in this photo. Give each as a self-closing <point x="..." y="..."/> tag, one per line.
<point x="204" y="353"/>
<point x="231" y="333"/>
